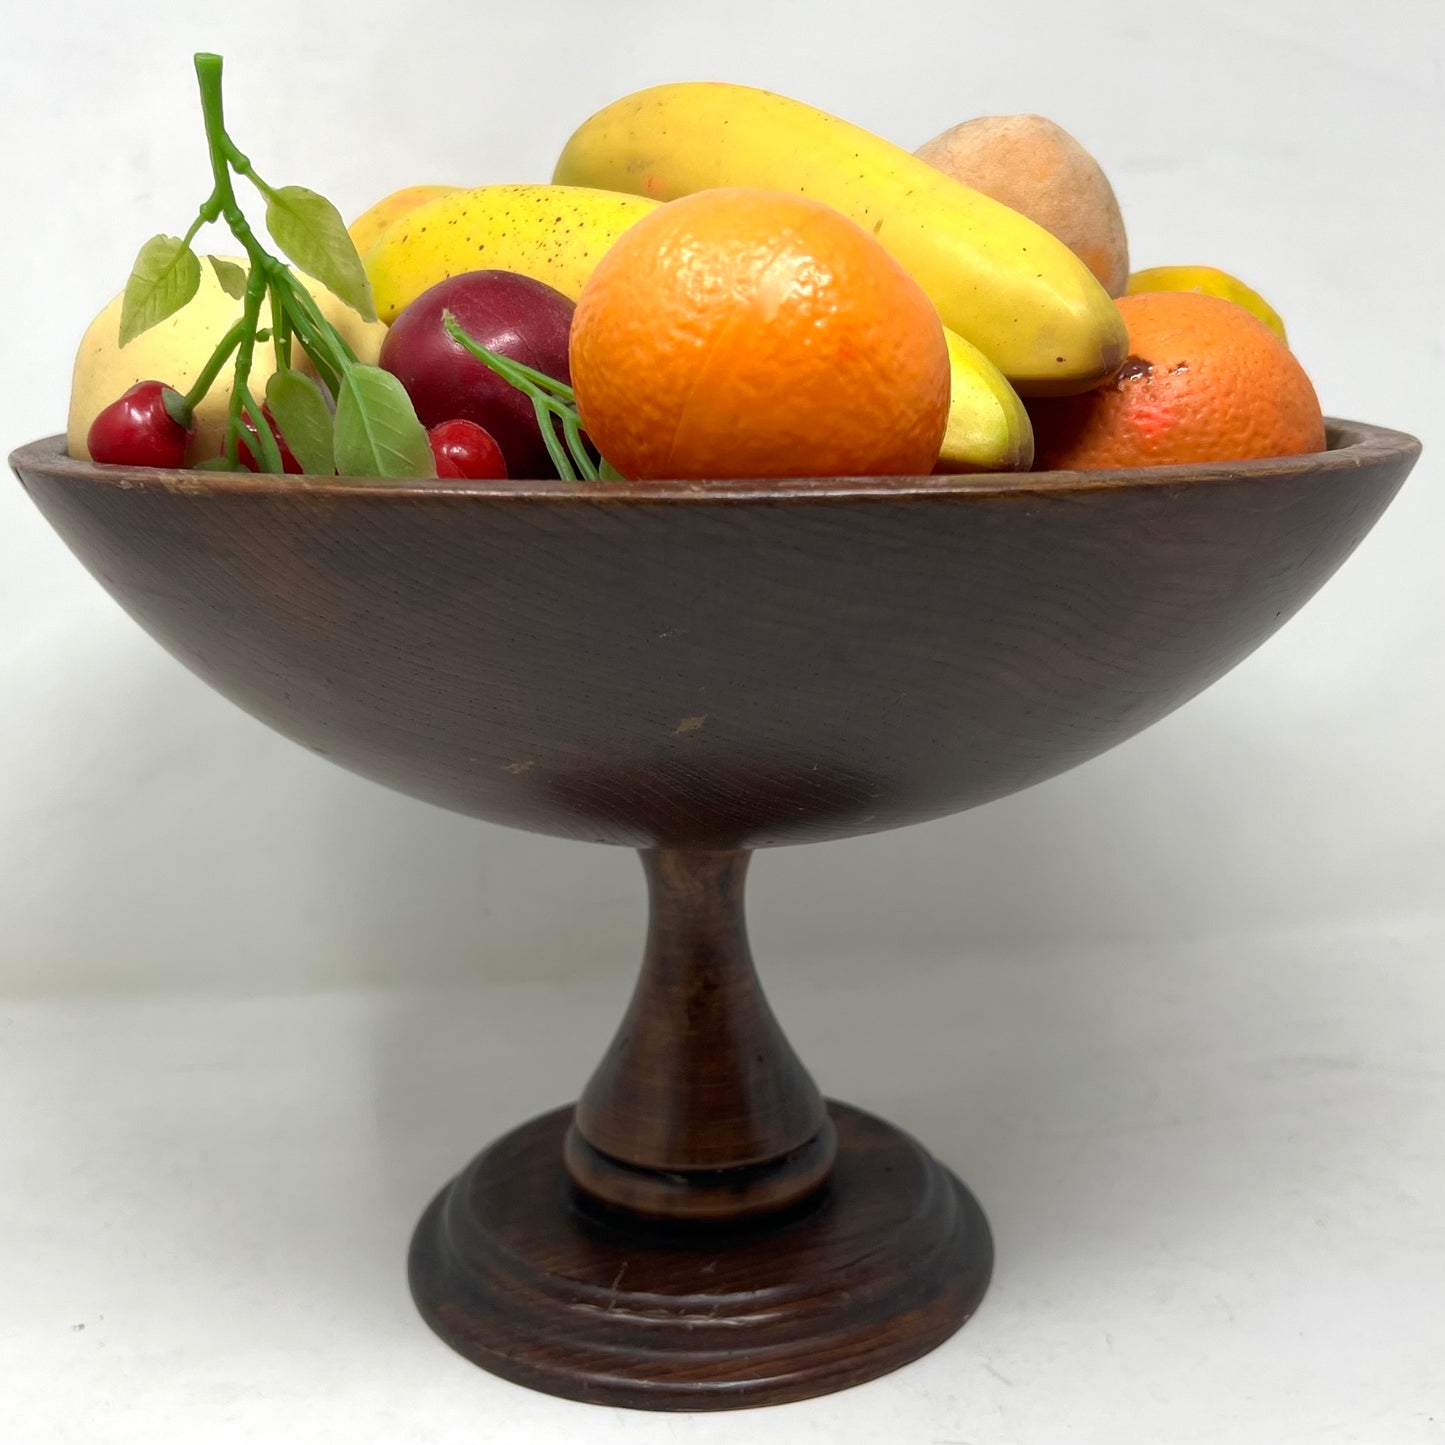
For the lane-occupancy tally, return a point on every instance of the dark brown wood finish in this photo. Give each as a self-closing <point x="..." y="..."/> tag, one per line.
<point x="522" y="1274"/>
<point x="725" y="667"/>
<point x="700" y="1109"/>
<point x="698" y="671"/>
<point x="726" y="1239"/>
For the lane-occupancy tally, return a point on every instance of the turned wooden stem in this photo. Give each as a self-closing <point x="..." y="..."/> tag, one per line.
<point x="700" y="1108"/>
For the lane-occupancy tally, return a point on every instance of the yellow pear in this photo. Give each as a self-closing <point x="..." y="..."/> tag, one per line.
<point x="178" y="348"/>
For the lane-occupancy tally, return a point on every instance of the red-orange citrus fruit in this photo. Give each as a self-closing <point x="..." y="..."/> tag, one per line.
<point x="1204" y="381"/>
<point x="749" y="333"/>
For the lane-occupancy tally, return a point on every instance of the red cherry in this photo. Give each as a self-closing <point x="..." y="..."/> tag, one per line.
<point x="466" y="452"/>
<point x="139" y="429"/>
<point x="248" y="458"/>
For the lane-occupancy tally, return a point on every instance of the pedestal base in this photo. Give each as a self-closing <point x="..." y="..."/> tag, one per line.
<point x="517" y="1271"/>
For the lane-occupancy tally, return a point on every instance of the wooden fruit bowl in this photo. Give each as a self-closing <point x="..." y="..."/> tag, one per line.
<point x="698" y="671"/>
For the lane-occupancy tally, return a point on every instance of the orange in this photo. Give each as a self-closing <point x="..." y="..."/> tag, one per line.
<point x="1204" y="381"/>
<point x="750" y="333"/>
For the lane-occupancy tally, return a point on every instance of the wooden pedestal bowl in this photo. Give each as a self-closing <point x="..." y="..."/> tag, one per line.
<point x="697" y="672"/>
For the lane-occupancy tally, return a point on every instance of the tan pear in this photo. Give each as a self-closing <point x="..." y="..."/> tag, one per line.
<point x="1037" y="168"/>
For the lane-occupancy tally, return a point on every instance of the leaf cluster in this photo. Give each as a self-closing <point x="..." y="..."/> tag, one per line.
<point x="373" y="431"/>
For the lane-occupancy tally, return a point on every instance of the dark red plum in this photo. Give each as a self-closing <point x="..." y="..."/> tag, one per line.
<point x="514" y="315"/>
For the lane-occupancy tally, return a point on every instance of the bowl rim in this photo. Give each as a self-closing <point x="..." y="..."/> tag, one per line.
<point x="1351" y="445"/>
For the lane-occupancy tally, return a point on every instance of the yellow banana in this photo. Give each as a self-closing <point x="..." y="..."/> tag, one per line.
<point x="988" y="428"/>
<point x="998" y="279"/>
<point x="555" y="234"/>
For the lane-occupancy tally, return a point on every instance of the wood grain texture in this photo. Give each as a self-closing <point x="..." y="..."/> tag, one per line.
<point x="718" y="667"/>
<point x="519" y="1273"/>
<point x="700" y="1109"/>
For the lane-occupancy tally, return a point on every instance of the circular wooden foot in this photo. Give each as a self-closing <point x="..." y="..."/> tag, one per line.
<point x="517" y="1270"/>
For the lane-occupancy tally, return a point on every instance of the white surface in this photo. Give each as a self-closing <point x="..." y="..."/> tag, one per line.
<point x="1213" y="1173"/>
<point x="1193" y="1065"/>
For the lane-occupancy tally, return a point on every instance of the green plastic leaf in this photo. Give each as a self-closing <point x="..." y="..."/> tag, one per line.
<point x="217" y="464"/>
<point x="309" y="229"/>
<point x="553" y="402"/>
<point x="231" y="276"/>
<point x="176" y="408"/>
<point x="377" y="433"/>
<point x="606" y="472"/>
<point x="165" y="276"/>
<point x="304" y="419"/>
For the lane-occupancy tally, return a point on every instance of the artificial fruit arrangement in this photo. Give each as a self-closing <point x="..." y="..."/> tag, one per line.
<point x="736" y="283"/>
<point x="310" y="389"/>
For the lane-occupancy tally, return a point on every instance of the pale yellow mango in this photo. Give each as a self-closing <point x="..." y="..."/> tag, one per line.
<point x="176" y="350"/>
<point x="367" y="228"/>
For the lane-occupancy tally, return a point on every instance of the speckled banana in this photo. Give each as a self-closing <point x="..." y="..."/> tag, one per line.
<point x="998" y="280"/>
<point x="554" y="233"/>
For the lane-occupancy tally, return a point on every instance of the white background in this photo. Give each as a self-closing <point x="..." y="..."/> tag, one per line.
<point x="1177" y="1016"/>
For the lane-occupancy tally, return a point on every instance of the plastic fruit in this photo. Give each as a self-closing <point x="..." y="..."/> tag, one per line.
<point x="138" y="429"/>
<point x="555" y="234"/>
<point x="1035" y="166"/>
<point x="998" y="279"/>
<point x="988" y="425"/>
<point x="1208" y="281"/>
<point x="367" y="229"/>
<point x="515" y="315"/>
<point x="466" y="452"/>
<point x="179" y="347"/>
<point x="246" y="455"/>
<point x="745" y="333"/>
<point x="1205" y="382"/>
